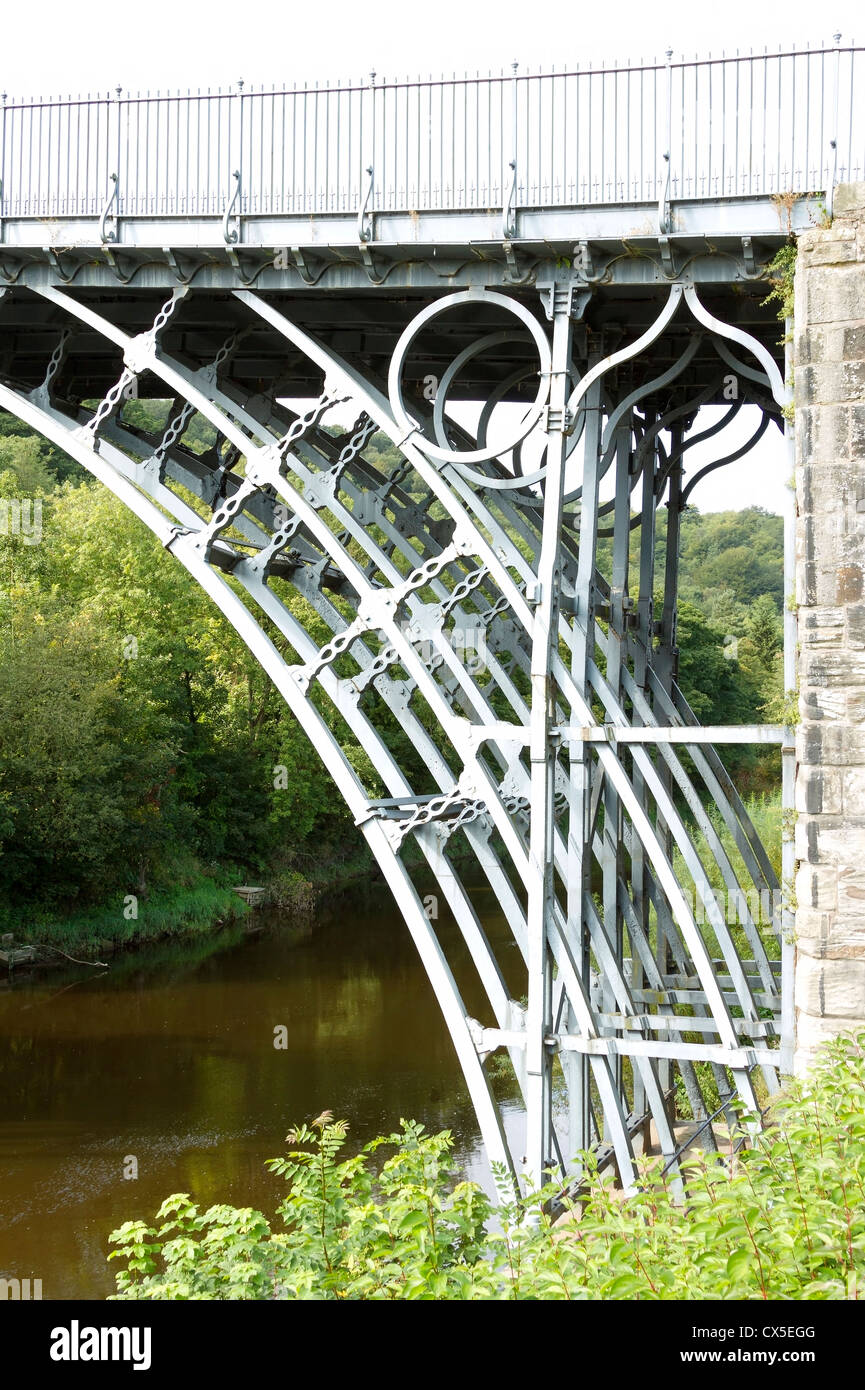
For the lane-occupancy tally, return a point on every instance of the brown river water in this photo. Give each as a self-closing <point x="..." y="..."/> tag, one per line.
<point x="168" y="1057"/>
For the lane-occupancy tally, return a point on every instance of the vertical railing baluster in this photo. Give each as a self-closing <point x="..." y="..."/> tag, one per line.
<point x="241" y="163"/>
<point x="833" y="143"/>
<point x="372" y="142"/>
<point x="293" y="179"/>
<point x="418" y="197"/>
<point x="3" y="191"/>
<point x="304" y="178"/>
<point x="851" y="175"/>
<point x="682" y="156"/>
<point x="453" y="161"/>
<point x="617" y="152"/>
<point x="30" y="158"/>
<point x="604" y="89"/>
<point x="589" y="141"/>
<point x="149" y="205"/>
<point x="666" y="172"/>
<point x="697" y="131"/>
<point x="324" y="193"/>
<point x="509" y="198"/>
<point x="655" y="164"/>
<point x="751" y="121"/>
<point x="736" y="125"/>
<point x="807" y="161"/>
<point x="723" y="120"/>
<point x="627" y="181"/>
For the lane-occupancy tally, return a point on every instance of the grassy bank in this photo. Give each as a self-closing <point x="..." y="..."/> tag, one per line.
<point x="189" y="908"/>
<point x="198" y="902"/>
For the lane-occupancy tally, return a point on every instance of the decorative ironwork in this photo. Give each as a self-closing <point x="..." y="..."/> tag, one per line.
<point x="599" y="840"/>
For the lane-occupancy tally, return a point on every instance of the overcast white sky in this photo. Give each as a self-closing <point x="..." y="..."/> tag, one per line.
<point x="177" y="44"/>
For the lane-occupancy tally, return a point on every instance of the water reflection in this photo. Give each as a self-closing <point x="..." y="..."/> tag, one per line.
<point x="169" y="1056"/>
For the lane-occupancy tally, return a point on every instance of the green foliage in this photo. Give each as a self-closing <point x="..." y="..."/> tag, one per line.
<point x="84" y="775"/>
<point x="18" y="444"/>
<point x="710" y="681"/>
<point x="763" y="627"/>
<point x="135" y="726"/>
<point x="783" y="1219"/>
<point x="741" y="553"/>
<point x="405" y="1232"/>
<point x="782" y="272"/>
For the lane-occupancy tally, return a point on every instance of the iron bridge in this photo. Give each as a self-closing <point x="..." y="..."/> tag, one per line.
<point x="529" y="285"/>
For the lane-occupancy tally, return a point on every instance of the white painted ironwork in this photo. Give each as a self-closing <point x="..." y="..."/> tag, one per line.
<point x="600" y="843"/>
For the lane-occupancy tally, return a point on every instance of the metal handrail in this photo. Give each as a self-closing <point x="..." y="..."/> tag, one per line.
<point x="453" y="81"/>
<point x="735" y="125"/>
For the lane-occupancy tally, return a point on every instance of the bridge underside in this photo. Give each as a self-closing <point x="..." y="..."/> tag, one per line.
<point x="483" y="614"/>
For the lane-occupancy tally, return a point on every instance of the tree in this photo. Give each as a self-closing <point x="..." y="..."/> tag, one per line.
<point x="84" y="773"/>
<point x="763" y="627"/>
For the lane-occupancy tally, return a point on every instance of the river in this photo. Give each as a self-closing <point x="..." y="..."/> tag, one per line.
<point x="168" y="1058"/>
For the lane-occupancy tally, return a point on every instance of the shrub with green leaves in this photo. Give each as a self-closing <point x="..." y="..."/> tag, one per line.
<point x="781" y="1219"/>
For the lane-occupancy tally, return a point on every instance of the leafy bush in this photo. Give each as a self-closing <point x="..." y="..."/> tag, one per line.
<point x="784" y="1219"/>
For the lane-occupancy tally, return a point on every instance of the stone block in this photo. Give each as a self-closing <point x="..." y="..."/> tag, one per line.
<point x="812" y="925"/>
<point x="849" y="199"/>
<point x="850" y="586"/>
<point x="856" y="625"/>
<point x="815" y="843"/>
<point x="823" y="703"/>
<point x="852" y="343"/>
<point x="816" y="889"/>
<point x="805" y="581"/>
<point x="843" y="744"/>
<point x="829" y="578"/>
<point x="822" y="626"/>
<point x="831" y="666"/>
<point x="823" y="430"/>
<point x="824" y="343"/>
<point x="830" y="988"/>
<point x="855" y="712"/>
<point x="854" y="804"/>
<point x="829" y="841"/>
<point x="812" y="1031"/>
<point x="833" y="294"/>
<point x="818" y="791"/>
<point x="805" y="841"/>
<point x="849" y="918"/>
<point x="825" y="936"/>
<point x="837" y="244"/>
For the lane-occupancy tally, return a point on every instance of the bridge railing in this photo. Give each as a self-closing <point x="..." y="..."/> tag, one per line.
<point x="741" y="125"/>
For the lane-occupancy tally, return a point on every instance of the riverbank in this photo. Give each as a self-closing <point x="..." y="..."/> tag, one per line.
<point x="194" y="907"/>
<point x="198" y="903"/>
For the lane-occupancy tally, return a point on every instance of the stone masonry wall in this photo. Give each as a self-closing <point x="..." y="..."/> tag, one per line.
<point x="829" y="389"/>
